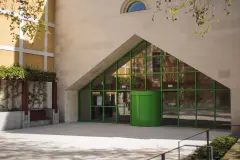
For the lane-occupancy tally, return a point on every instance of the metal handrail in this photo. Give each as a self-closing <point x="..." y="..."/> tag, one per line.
<point x="207" y="139"/>
<point x="163" y="154"/>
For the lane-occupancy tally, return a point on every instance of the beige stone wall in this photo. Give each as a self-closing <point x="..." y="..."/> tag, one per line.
<point x="92" y="34"/>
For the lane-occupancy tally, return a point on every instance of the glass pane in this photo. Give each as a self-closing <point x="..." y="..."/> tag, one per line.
<point x="124" y="107"/>
<point x="140" y="50"/>
<point x="223" y="100"/>
<point x="110" y="83"/>
<point x="124" y="65"/>
<point x="155" y="50"/>
<point x="169" y="100"/>
<point x="97" y="84"/>
<point x="223" y="118"/>
<point x="187" y="117"/>
<point x="170" y="117"/>
<point x="187" y="80"/>
<point x="110" y="99"/>
<point x="124" y="114"/>
<point x="169" y="80"/>
<point x="97" y="99"/>
<point x="111" y="70"/>
<point x="153" y="64"/>
<point x="169" y="64"/>
<point x="205" y="99"/>
<point x="205" y="118"/>
<point x="124" y="99"/>
<point x="124" y="82"/>
<point x="185" y="67"/>
<point x="187" y="99"/>
<point x="220" y="86"/>
<point x="138" y="82"/>
<point x="97" y="113"/>
<point x="138" y="65"/>
<point x="110" y="114"/>
<point x="154" y="81"/>
<point x="203" y="81"/>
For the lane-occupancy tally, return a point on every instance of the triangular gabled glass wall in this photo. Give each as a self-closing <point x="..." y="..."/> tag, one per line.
<point x="188" y="96"/>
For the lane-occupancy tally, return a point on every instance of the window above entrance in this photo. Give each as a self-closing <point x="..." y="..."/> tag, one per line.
<point x="133" y="6"/>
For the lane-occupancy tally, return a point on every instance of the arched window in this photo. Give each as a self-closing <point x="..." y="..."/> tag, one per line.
<point x="136" y="6"/>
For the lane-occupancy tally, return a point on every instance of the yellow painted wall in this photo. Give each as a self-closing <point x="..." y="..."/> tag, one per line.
<point x="50" y="64"/>
<point x="5" y="34"/>
<point x="37" y="43"/>
<point x="32" y="60"/>
<point x="8" y="58"/>
<point x="51" y="11"/>
<point x="51" y="31"/>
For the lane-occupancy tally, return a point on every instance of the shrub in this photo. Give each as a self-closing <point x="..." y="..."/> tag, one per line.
<point x="220" y="146"/>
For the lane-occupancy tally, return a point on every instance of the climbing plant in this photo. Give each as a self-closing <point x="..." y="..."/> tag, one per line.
<point x="28" y="12"/>
<point x="202" y="11"/>
<point x="37" y="95"/>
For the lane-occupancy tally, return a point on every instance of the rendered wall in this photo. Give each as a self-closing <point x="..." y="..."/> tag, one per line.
<point x="92" y="34"/>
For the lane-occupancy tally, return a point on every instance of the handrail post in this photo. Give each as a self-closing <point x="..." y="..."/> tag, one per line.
<point x="207" y="134"/>
<point x="179" y="150"/>
<point x="163" y="156"/>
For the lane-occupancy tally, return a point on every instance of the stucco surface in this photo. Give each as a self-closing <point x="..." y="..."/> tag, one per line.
<point x="92" y="34"/>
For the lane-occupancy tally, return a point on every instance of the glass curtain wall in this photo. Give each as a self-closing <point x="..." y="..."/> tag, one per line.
<point x="188" y="96"/>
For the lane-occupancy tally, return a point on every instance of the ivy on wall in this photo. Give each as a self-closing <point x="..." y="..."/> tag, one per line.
<point x="26" y="73"/>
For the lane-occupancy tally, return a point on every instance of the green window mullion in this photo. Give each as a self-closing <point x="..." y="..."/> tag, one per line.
<point x="103" y="99"/>
<point x="117" y="93"/>
<point x="215" y="105"/>
<point x="178" y="94"/>
<point x="130" y="70"/>
<point x="145" y="66"/>
<point x="90" y="100"/>
<point x="161" y="88"/>
<point x="195" y="79"/>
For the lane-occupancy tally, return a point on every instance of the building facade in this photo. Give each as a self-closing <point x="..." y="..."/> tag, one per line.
<point x="103" y="50"/>
<point x="98" y="33"/>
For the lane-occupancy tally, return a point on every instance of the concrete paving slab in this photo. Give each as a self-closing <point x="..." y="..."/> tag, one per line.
<point x="91" y="141"/>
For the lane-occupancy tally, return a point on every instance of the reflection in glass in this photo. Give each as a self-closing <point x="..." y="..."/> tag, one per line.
<point x="97" y="113"/>
<point x="124" y="82"/>
<point x="203" y="81"/>
<point x="154" y="81"/>
<point x="187" y="80"/>
<point x="110" y="114"/>
<point x="124" y="107"/>
<point x="169" y="80"/>
<point x="185" y="67"/>
<point x="140" y="50"/>
<point x="169" y="64"/>
<point x="138" y="82"/>
<point x="124" y="65"/>
<point x="97" y="84"/>
<point x="223" y="100"/>
<point x="111" y="70"/>
<point x="138" y="65"/>
<point x="110" y="83"/>
<point x="220" y="86"/>
<point x="169" y="99"/>
<point x="124" y="99"/>
<point x="187" y="99"/>
<point x="223" y="117"/>
<point x="97" y="99"/>
<point x="110" y="99"/>
<point x="153" y="64"/>
<point x="205" y="118"/>
<point x="205" y="99"/>
<point x="170" y="117"/>
<point x="187" y="117"/>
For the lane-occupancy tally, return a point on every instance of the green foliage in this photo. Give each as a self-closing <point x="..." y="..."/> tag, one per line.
<point x="28" y="9"/>
<point x="220" y="146"/>
<point x="201" y="11"/>
<point x="26" y="73"/>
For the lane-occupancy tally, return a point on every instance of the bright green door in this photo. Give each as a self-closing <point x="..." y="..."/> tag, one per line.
<point x="145" y="108"/>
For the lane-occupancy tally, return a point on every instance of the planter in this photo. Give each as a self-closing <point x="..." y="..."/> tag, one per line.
<point x="11" y="120"/>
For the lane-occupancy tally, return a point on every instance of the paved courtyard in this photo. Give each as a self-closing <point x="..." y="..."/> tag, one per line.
<point x="96" y="141"/>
